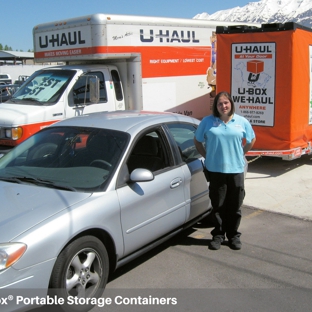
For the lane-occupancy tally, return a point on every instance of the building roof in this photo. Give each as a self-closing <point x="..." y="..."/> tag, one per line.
<point x="14" y="55"/>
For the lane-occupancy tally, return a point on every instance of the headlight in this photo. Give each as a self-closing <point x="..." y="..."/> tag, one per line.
<point x="10" y="253"/>
<point x="14" y="133"/>
<point x="8" y="133"/>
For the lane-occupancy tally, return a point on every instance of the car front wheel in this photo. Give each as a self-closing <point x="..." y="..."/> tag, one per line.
<point x="80" y="272"/>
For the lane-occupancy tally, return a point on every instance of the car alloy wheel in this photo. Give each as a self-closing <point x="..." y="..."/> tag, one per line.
<point x="81" y="271"/>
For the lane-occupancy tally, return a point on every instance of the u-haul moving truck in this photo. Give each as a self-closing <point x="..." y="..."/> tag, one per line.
<point x="268" y="71"/>
<point x="143" y="63"/>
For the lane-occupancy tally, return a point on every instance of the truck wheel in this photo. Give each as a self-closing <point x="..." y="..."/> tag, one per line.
<point x="80" y="272"/>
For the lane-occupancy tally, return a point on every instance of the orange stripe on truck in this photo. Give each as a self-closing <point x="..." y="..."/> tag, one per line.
<point x="156" y="61"/>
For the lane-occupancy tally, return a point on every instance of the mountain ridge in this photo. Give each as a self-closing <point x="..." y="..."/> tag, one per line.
<point x="266" y="11"/>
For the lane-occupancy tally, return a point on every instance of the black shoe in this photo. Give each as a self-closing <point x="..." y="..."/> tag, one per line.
<point x="235" y="243"/>
<point x="215" y="244"/>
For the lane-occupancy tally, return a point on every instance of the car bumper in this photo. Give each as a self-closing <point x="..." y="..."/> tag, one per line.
<point x="20" y="287"/>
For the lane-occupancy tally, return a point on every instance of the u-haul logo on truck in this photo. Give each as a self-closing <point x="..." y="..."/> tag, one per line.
<point x="169" y="36"/>
<point x="62" y="39"/>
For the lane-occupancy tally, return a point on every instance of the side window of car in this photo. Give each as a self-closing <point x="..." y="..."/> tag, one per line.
<point x="184" y="134"/>
<point x="149" y="153"/>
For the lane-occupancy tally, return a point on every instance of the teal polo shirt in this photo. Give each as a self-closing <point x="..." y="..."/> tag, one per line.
<point x="224" y="147"/>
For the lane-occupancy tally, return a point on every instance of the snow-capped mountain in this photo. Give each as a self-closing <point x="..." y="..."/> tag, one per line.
<point x="266" y="11"/>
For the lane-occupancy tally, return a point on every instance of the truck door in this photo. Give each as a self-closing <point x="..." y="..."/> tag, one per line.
<point x="111" y="93"/>
<point x="80" y="99"/>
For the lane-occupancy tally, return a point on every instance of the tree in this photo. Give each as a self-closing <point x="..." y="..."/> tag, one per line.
<point x="7" y="48"/>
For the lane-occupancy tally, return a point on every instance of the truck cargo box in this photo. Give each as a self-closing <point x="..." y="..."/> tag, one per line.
<point x="268" y="71"/>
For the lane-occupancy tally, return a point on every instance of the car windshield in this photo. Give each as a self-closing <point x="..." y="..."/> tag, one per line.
<point x="44" y="87"/>
<point x="69" y="158"/>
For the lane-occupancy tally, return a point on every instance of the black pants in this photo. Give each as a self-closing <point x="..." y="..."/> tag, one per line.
<point x="226" y="191"/>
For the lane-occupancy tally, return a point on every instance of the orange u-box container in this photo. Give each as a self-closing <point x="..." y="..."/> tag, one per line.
<point x="268" y="71"/>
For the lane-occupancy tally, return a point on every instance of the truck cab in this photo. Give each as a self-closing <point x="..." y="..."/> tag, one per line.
<point x="56" y="93"/>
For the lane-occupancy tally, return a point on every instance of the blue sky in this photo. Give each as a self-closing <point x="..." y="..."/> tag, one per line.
<point x="19" y="17"/>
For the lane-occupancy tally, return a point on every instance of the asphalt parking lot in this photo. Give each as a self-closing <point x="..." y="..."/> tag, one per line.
<point x="272" y="272"/>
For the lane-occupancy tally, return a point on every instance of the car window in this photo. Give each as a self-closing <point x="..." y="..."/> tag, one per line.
<point x="183" y="134"/>
<point x="149" y="152"/>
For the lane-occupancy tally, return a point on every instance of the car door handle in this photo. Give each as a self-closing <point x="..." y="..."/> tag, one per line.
<point x="176" y="182"/>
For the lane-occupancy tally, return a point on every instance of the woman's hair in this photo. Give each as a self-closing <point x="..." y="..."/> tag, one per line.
<point x="215" y="111"/>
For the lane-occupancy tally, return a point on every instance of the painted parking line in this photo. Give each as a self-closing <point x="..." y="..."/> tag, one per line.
<point x="253" y="214"/>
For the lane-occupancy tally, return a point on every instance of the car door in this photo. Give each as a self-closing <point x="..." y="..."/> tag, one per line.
<point x="153" y="208"/>
<point x="183" y="135"/>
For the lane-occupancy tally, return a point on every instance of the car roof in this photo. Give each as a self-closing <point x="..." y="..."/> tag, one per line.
<point x="127" y="121"/>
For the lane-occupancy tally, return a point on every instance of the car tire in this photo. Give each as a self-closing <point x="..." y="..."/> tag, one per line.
<point x="80" y="272"/>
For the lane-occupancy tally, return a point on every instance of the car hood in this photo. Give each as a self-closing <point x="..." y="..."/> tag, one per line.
<point x="23" y="206"/>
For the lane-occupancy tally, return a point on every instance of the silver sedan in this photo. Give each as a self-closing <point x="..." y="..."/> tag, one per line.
<point x="88" y="194"/>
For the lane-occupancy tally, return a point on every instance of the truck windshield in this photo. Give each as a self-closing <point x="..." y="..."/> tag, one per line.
<point x="44" y="87"/>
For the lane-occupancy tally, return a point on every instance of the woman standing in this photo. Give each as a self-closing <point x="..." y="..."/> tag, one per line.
<point x="227" y="137"/>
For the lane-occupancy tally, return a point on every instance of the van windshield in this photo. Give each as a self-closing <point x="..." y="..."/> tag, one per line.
<point x="44" y="87"/>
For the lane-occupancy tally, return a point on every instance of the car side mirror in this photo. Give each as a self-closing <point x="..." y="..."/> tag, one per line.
<point x="141" y="175"/>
